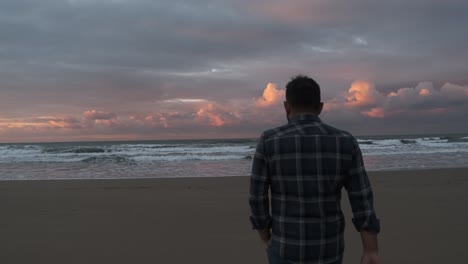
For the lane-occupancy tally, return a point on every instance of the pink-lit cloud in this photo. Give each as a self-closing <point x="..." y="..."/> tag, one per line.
<point x="363" y="97"/>
<point x="211" y="114"/>
<point x="98" y="115"/>
<point x="65" y="122"/>
<point x="271" y="96"/>
<point x="174" y="118"/>
<point x="376" y="112"/>
<point x="424" y="92"/>
<point x="153" y="120"/>
<point x="41" y="122"/>
<point x="362" y="94"/>
<point x="100" y="118"/>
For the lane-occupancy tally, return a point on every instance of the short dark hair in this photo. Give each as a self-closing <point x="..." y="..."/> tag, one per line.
<point x="303" y="93"/>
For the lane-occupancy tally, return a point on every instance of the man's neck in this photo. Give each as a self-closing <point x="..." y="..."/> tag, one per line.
<point x="296" y="114"/>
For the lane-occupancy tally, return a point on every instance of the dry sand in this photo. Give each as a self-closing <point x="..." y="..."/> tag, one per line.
<point x="205" y="220"/>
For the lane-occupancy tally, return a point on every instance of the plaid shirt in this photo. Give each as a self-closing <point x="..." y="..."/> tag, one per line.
<point x="305" y="164"/>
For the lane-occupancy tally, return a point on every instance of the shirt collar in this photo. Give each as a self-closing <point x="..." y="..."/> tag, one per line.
<point x="305" y="117"/>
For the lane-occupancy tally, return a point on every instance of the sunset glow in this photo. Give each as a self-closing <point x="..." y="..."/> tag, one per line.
<point x="166" y="69"/>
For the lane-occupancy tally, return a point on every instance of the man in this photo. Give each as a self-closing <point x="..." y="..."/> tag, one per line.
<point x="305" y="164"/>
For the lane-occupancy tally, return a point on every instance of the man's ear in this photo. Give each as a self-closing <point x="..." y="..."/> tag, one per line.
<point x="287" y="107"/>
<point x="319" y="110"/>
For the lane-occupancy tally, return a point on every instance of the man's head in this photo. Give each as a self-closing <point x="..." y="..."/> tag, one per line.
<point x="302" y="96"/>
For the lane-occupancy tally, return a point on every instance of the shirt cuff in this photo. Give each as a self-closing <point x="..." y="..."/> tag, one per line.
<point x="372" y="224"/>
<point x="260" y="224"/>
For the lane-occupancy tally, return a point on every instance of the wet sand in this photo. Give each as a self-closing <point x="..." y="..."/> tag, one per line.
<point x="205" y="220"/>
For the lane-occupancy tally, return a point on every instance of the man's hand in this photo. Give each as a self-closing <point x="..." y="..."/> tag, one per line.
<point x="370" y="258"/>
<point x="265" y="235"/>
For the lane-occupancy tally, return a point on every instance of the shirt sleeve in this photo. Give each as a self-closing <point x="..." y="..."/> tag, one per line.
<point x="259" y="185"/>
<point x="360" y="194"/>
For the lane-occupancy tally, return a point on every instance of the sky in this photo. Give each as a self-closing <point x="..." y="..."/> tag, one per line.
<point x="81" y="70"/>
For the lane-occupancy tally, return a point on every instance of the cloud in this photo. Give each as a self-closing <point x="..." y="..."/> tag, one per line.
<point x="101" y="119"/>
<point x="66" y="122"/>
<point x="184" y="100"/>
<point x="423" y="99"/>
<point x="271" y="96"/>
<point x="157" y="119"/>
<point x="188" y="112"/>
<point x="41" y="123"/>
<point x="362" y="94"/>
<point x="424" y="92"/>
<point x="188" y="64"/>
<point x="212" y="114"/>
<point x="360" y="41"/>
<point x="99" y="115"/>
<point x="97" y="53"/>
<point x="200" y="113"/>
<point x="377" y="112"/>
<point x="302" y="11"/>
<point x="454" y="93"/>
<point x="205" y="118"/>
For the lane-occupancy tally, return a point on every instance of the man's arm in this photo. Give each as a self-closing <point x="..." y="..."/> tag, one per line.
<point x="370" y="248"/>
<point x="259" y="200"/>
<point x="361" y="198"/>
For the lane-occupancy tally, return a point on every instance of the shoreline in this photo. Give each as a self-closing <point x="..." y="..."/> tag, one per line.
<point x="205" y="220"/>
<point x="254" y="137"/>
<point x="384" y="171"/>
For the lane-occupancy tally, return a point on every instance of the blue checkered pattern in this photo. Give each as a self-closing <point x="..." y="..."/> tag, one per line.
<point x="305" y="164"/>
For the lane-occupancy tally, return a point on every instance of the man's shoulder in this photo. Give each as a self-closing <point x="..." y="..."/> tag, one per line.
<point x="331" y="130"/>
<point x="276" y="131"/>
<point x="323" y="129"/>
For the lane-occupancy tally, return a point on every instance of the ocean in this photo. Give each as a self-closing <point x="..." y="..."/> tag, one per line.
<point x="206" y="158"/>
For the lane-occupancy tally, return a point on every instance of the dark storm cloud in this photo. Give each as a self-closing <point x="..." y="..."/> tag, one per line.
<point x="199" y="35"/>
<point x="159" y="35"/>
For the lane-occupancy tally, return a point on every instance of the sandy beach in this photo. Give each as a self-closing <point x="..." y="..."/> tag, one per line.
<point x="205" y="220"/>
